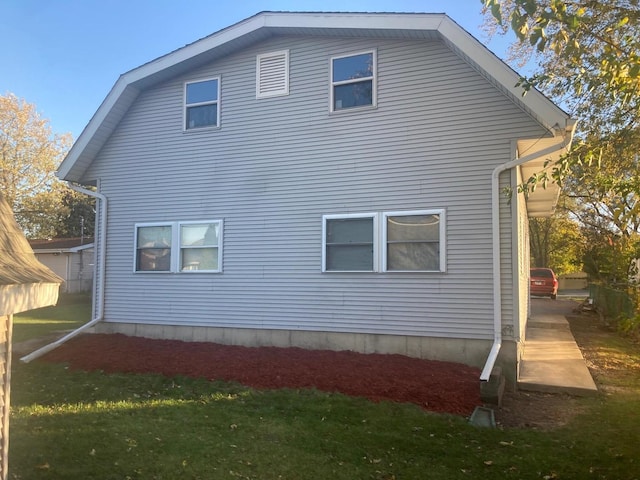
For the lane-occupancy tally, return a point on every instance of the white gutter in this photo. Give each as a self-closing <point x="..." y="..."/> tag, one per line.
<point x="495" y="227"/>
<point x="100" y="290"/>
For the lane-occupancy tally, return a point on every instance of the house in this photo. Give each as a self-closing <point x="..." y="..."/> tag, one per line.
<point x="69" y="258"/>
<point x="25" y="284"/>
<point x="321" y="180"/>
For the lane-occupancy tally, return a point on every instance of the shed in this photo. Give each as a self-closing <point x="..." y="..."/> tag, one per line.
<point x="25" y="284"/>
<point x="70" y="258"/>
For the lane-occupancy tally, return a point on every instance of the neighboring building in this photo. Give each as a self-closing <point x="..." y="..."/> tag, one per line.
<point x="322" y="180"/>
<point x="70" y="258"/>
<point x="25" y="284"/>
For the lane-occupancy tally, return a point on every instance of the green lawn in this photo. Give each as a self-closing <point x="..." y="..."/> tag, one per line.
<point x="78" y="425"/>
<point x="71" y="312"/>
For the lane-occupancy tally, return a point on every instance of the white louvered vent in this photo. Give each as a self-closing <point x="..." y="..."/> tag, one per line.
<point x="272" y="78"/>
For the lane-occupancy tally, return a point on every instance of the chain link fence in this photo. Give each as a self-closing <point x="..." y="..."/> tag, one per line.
<point x="615" y="303"/>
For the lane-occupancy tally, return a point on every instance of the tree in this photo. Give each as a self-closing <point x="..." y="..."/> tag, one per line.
<point x="588" y="50"/>
<point x="588" y="60"/>
<point x="77" y="217"/>
<point x="29" y="155"/>
<point x="588" y="56"/>
<point x="556" y="242"/>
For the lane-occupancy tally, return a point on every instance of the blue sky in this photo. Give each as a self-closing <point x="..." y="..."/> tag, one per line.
<point x="65" y="55"/>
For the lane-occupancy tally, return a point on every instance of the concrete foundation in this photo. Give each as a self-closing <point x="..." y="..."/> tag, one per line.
<point x="467" y="351"/>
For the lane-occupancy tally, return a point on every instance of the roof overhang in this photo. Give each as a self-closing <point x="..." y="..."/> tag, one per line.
<point x="77" y="249"/>
<point x="542" y="198"/>
<point x="415" y="26"/>
<point x="16" y="298"/>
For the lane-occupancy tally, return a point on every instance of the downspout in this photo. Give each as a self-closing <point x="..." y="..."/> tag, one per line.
<point x="100" y="287"/>
<point x="495" y="232"/>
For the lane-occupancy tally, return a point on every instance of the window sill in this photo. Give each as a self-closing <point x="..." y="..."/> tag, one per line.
<point x="344" y="111"/>
<point x="211" y="128"/>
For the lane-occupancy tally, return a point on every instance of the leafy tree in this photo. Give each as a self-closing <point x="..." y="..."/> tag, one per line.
<point x="29" y="155"/>
<point x="588" y="51"/>
<point x="556" y="242"/>
<point x="588" y="56"/>
<point x="77" y="217"/>
<point x="588" y="60"/>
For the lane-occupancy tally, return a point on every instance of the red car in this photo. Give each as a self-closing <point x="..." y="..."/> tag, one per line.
<point x="544" y="283"/>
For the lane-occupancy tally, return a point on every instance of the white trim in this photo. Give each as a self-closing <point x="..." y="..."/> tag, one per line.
<point x="374" y="81"/>
<point x="279" y="70"/>
<point x="186" y="106"/>
<point x="441" y="240"/>
<point x="374" y="217"/>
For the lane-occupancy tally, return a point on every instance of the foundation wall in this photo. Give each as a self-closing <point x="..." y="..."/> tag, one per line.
<point x="467" y="351"/>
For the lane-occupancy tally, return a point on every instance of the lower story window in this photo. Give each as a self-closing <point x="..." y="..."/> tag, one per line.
<point x="413" y="241"/>
<point x="179" y="247"/>
<point x="199" y="247"/>
<point x="153" y="248"/>
<point x="349" y="243"/>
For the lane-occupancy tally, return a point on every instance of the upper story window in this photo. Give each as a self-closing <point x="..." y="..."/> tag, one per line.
<point x="202" y="103"/>
<point x="179" y="247"/>
<point x="353" y="82"/>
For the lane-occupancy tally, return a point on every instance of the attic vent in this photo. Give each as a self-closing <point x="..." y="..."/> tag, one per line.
<point x="272" y="74"/>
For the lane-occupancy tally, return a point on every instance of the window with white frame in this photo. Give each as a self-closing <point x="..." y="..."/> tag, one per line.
<point x="353" y="81"/>
<point x="414" y="241"/>
<point x="179" y="247"/>
<point x="349" y="243"/>
<point x="202" y="104"/>
<point x="153" y="247"/>
<point x="200" y="246"/>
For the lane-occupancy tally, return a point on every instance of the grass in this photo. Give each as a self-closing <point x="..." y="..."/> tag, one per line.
<point x="72" y="311"/>
<point x="68" y="424"/>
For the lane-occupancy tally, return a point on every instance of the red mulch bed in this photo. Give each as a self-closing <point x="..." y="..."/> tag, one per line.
<point x="435" y="386"/>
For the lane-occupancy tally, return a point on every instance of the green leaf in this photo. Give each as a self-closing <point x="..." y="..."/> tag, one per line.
<point x="496" y="12"/>
<point x="535" y="36"/>
<point x="529" y="6"/>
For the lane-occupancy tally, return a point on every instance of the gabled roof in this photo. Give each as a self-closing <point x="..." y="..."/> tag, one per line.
<point x="73" y="244"/>
<point x="18" y="264"/>
<point x="426" y="26"/>
<point x="25" y="283"/>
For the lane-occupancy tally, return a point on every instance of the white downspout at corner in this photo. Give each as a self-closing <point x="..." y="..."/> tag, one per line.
<point x="100" y="287"/>
<point x="495" y="232"/>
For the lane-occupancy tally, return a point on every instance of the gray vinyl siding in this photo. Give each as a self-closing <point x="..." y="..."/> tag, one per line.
<point x="276" y="165"/>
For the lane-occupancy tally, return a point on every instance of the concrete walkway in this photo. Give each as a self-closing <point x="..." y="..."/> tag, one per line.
<point x="552" y="361"/>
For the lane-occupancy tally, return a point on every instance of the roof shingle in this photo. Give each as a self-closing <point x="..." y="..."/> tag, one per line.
<point x="18" y="263"/>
